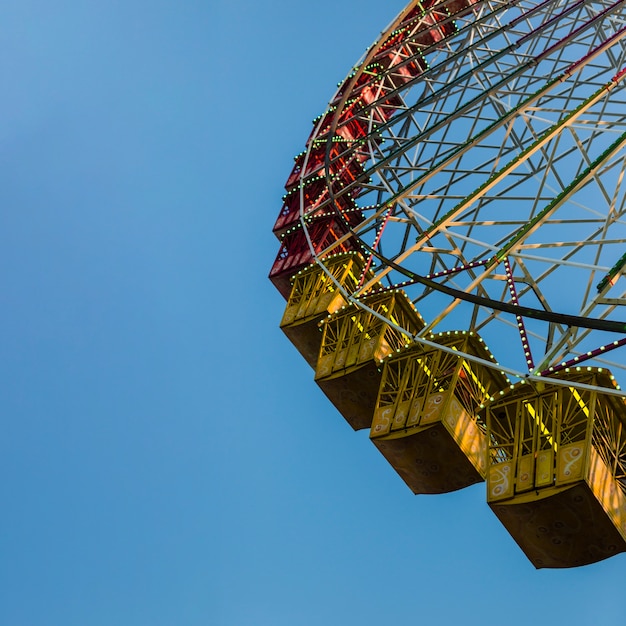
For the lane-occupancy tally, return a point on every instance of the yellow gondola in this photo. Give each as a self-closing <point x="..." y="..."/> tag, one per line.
<point x="557" y="468"/>
<point x="314" y="295"/>
<point x="425" y="422"/>
<point x="354" y="340"/>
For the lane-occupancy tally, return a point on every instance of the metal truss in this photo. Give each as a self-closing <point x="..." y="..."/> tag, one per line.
<point x="491" y="156"/>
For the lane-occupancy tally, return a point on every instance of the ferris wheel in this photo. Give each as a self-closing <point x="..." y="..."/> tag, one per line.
<point x="465" y="187"/>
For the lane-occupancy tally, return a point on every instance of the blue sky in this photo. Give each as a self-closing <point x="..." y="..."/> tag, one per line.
<point x="166" y="458"/>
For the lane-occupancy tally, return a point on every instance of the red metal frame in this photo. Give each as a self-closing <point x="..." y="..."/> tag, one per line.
<point x="396" y="63"/>
<point x="295" y="253"/>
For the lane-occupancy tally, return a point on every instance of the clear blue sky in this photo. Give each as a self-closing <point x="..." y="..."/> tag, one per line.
<point x="165" y="456"/>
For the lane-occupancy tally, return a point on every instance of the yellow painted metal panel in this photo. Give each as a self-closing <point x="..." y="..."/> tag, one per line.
<point x="352" y="355"/>
<point x="304" y="307"/>
<point x="452" y="419"/>
<point x="570" y="463"/>
<point x="607" y="491"/>
<point x="290" y="315"/>
<point x="525" y="473"/>
<point x="318" y="303"/>
<point x="382" y="350"/>
<point x="415" y="412"/>
<point x="432" y="408"/>
<point x="381" y="424"/>
<point x="453" y="414"/>
<point x="544" y="468"/>
<point x="399" y="419"/>
<point x="366" y="349"/>
<point x="500" y="481"/>
<point x="330" y="303"/>
<point x="325" y="365"/>
<point x="341" y="356"/>
<point x="467" y="435"/>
